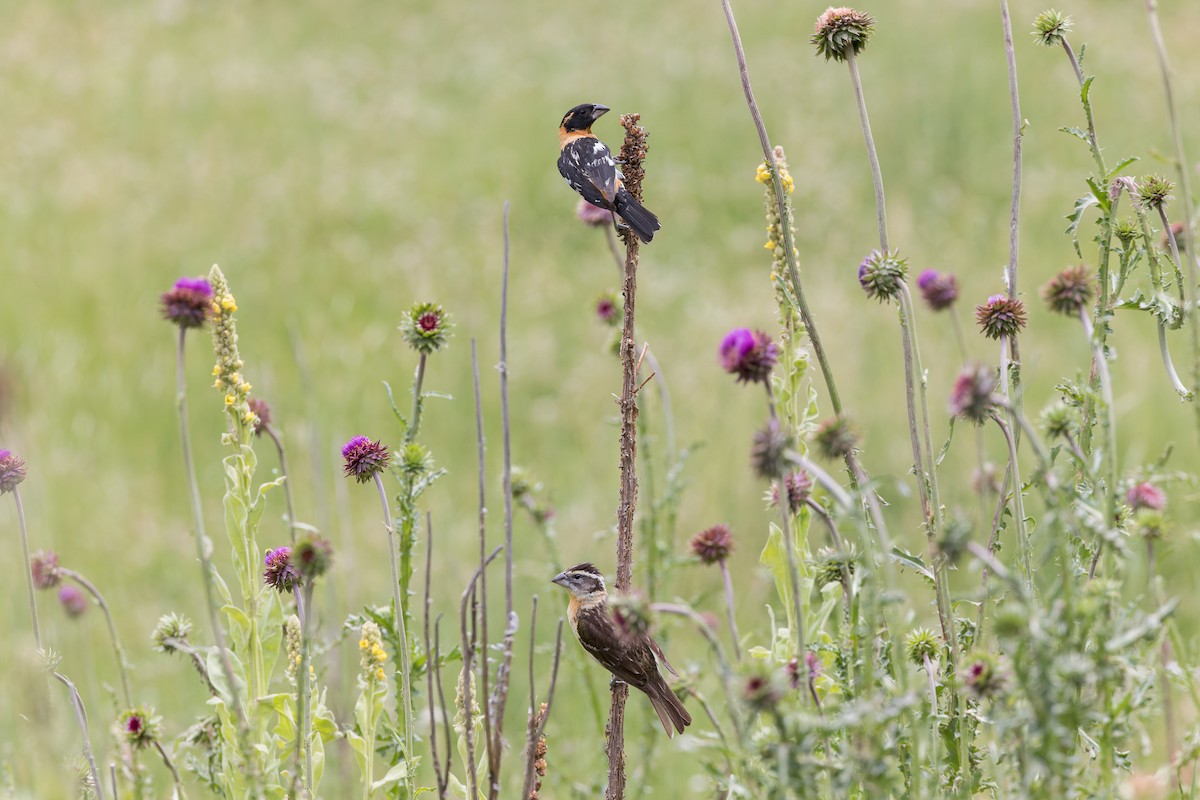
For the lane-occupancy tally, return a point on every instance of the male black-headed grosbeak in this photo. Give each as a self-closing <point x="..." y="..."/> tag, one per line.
<point x="631" y="658"/>
<point x="590" y="169"/>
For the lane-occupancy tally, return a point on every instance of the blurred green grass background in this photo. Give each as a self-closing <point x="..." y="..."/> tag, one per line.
<point x="341" y="160"/>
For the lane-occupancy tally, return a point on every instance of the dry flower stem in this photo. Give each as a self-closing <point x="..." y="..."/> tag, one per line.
<point x="33" y="612"/>
<point x="118" y="651"/>
<point x="287" y="481"/>
<point x="82" y="720"/>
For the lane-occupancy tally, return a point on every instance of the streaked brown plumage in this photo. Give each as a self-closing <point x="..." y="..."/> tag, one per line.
<point x="631" y="658"/>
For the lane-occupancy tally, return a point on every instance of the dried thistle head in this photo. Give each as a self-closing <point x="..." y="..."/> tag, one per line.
<point x="12" y="471"/>
<point x="1070" y="291"/>
<point x="1050" y="27"/>
<point x="43" y="566"/>
<point x="1000" y="317"/>
<point x="798" y="488"/>
<point x="713" y="545"/>
<point x="842" y="32"/>
<point x="973" y="397"/>
<point x="835" y="438"/>
<point x="768" y="451"/>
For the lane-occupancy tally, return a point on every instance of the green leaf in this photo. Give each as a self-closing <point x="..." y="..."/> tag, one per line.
<point x="774" y="558"/>
<point x="1113" y="172"/>
<point x="1076" y="132"/>
<point x="397" y="773"/>
<point x="907" y="559"/>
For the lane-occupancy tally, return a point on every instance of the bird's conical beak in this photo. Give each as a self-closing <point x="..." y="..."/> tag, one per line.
<point x="560" y="579"/>
<point x="599" y="111"/>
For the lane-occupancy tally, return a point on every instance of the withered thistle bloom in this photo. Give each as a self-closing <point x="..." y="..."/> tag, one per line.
<point x="426" y="327"/>
<point x="713" y="545"/>
<point x="630" y="614"/>
<point x="140" y="726"/>
<point x="12" y="471"/>
<point x="72" y="601"/>
<point x="43" y="565"/>
<point x="835" y="438"/>
<point x="280" y="574"/>
<point x="364" y="458"/>
<point x="796" y="675"/>
<point x="882" y="275"/>
<point x="798" y="486"/>
<point x="921" y="644"/>
<point x="983" y="677"/>
<point x="750" y="355"/>
<point x="1050" y="27"/>
<point x="940" y="289"/>
<point x="973" y="395"/>
<point x="768" y="451"/>
<point x="170" y="630"/>
<point x="1146" y="495"/>
<point x="262" y="414"/>
<point x="842" y="31"/>
<point x="1000" y="317"/>
<point x="762" y="691"/>
<point x="189" y="302"/>
<point x="1070" y="291"/>
<point x="595" y="216"/>
<point x="608" y="310"/>
<point x="312" y="556"/>
<point x="1154" y="192"/>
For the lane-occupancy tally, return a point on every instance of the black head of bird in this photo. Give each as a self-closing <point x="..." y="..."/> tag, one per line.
<point x="582" y="117"/>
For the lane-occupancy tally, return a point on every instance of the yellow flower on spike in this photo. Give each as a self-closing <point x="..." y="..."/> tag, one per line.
<point x="229" y="399"/>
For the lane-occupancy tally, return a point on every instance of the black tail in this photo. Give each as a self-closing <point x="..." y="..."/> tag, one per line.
<point x="636" y="215"/>
<point x="671" y="713"/>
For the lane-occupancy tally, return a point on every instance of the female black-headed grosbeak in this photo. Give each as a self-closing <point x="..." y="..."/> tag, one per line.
<point x="590" y="169"/>
<point x="631" y="658"/>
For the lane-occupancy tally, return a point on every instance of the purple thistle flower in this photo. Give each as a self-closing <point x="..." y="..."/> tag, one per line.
<point x="140" y="726"/>
<point x="940" y="289"/>
<point x="12" y="471"/>
<point x="593" y="215"/>
<point x="364" y="458"/>
<point x="607" y="310"/>
<point x="972" y="397"/>
<point x="1146" y="495"/>
<point x="262" y="413"/>
<point x="713" y="545"/>
<point x="882" y="275"/>
<point x="1000" y="317"/>
<point x="43" y="565"/>
<point x="799" y="489"/>
<point x="750" y="355"/>
<point x="189" y="302"/>
<point x="72" y="600"/>
<point x="279" y="574"/>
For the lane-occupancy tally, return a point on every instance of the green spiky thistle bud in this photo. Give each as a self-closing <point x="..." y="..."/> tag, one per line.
<point x="426" y="327"/>
<point x="1050" y="27"/>
<point x="842" y="32"/>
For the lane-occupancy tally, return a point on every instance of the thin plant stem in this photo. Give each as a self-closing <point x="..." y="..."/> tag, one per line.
<point x="1182" y="166"/>
<point x="1018" y="130"/>
<point x="287" y="480"/>
<point x="1109" y="422"/>
<point x="180" y="792"/>
<point x="118" y="651"/>
<point x="714" y="644"/>
<point x="872" y="156"/>
<point x="202" y="550"/>
<point x="414" y="419"/>
<point x="785" y="214"/>
<point x="82" y="720"/>
<point x="733" y="629"/>
<point x="304" y="685"/>
<point x="1014" y="470"/>
<point x="398" y="611"/>
<point x="431" y="664"/>
<point x="33" y="612"/>
<point x="789" y="548"/>
<point x="993" y="539"/>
